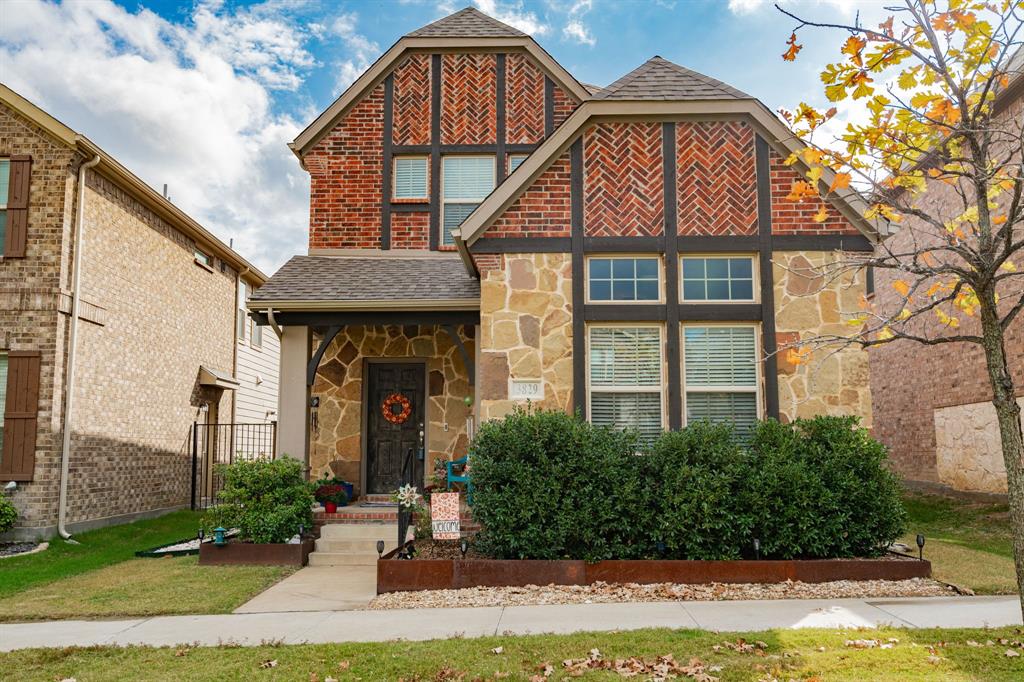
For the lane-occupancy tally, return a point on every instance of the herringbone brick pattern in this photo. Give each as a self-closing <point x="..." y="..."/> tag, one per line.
<point x="412" y="101"/>
<point x="623" y="175"/>
<point x="564" y="105"/>
<point x="716" y="178"/>
<point x="543" y="210"/>
<point x="797" y="217"/>
<point x="468" y="99"/>
<point x="524" y="100"/>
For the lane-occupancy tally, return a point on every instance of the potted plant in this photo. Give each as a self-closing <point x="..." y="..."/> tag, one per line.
<point x="328" y="479"/>
<point x="331" y="496"/>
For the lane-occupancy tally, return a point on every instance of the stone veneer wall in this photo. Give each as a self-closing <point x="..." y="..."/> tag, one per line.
<point x="829" y="382"/>
<point x="336" y="446"/>
<point x="968" y="453"/>
<point x="526" y="323"/>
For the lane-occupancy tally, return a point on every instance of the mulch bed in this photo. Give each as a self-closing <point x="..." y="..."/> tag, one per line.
<point x="15" y="548"/>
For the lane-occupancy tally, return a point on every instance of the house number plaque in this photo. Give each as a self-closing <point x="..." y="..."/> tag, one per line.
<point x="525" y="389"/>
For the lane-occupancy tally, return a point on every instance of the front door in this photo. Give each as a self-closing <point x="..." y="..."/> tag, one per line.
<point x="396" y="416"/>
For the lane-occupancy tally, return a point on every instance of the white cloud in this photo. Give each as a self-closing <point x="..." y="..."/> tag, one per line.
<point x="362" y="50"/>
<point x="845" y="7"/>
<point x="189" y="104"/>
<point x="513" y="14"/>
<point x="575" y="30"/>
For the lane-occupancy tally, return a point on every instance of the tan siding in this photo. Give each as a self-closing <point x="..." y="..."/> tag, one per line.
<point x="257" y="403"/>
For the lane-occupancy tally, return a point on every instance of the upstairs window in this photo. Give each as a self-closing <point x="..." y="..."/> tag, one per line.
<point x="720" y="375"/>
<point x="626" y="378"/>
<point x="5" y="190"/>
<point x="256" y="335"/>
<point x="203" y="258"/>
<point x="466" y="180"/>
<point x="243" y="292"/>
<point x="410" y="180"/>
<point x="515" y="161"/>
<point x="623" y="279"/>
<point x="718" y="279"/>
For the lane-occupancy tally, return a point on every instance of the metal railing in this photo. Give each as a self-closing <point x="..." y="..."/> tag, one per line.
<point x="216" y="444"/>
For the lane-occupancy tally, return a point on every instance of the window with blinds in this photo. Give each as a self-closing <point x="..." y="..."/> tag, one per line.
<point x="3" y="398"/>
<point x="626" y="378"/>
<point x="514" y="161"/>
<point x="720" y="375"/>
<point x="410" y="180"/>
<point x="466" y="180"/>
<point x="718" y="279"/>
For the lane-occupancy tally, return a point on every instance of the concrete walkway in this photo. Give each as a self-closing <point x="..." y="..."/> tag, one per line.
<point x="318" y="588"/>
<point x="420" y="624"/>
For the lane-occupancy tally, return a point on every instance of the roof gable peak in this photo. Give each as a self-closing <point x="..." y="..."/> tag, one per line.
<point x="468" y="22"/>
<point x="660" y="79"/>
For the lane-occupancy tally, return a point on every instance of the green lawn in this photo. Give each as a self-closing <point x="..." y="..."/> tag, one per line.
<point x="101" y="578"/>
<point x="788" y="654"/>
<point x="967" y="542"/>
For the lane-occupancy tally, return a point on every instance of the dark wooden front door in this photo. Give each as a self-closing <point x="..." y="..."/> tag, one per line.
<point x="386" y="442"/>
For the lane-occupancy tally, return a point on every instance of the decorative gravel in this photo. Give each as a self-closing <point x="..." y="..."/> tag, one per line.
<point x="14" y="548"/>
<point x="605" y="593"/>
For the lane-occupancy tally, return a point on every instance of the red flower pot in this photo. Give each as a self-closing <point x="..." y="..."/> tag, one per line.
<point x="330" y="507"/>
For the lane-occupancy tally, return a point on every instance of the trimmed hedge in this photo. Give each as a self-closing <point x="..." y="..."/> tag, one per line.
<point x="267" y="500"/>
<point x="548" y="485"/>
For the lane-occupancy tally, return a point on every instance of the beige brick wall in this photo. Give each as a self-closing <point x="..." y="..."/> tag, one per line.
<point x="154" y="318"/>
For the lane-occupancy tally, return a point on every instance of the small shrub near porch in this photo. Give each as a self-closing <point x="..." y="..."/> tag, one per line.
<point x="551" y="486"/>
<point x="267" y="500"/>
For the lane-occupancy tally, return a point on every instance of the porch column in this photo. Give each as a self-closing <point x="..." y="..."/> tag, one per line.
<point x="293" y="394"/>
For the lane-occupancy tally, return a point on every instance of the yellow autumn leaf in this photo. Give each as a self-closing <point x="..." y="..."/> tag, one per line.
<point x="884" y="334"/>
<point x="902" y="287"/>
<point x="798" y="356"/>
<point x="857" y="321"/>
<point x="947" y="320"/>
<point x="1008" y="266"/>
<point x="821" y="216"/>
<point x="814" y="174"/>
<point x="904" y="314"/>
<point x="841" y="181"/>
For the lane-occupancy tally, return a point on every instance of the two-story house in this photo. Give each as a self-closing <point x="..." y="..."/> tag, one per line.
<point x="122" y="323"/>
<point x="486" y="231"/>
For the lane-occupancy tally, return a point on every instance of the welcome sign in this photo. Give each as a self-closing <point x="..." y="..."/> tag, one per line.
<point x="444" y="516"/>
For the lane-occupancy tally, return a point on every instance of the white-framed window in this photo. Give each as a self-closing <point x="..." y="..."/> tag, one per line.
<point x="514" y="161"/>
<point x="465" y="181"/>
<point x="613" y="279"/>
<point x="721" y="374"/>
<point x="203" y="258"/>
<point x="243" y="292"/>
<point x="626" y="378"/>
<point x="717" y="279"/>
<point x="255" y="335"/>
<point x="410" y="177"/>
<point x="5" y="190"/>
<point x="3" y="397"/>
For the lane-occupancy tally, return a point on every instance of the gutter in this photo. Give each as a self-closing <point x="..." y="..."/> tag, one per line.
<point x="69" y="380"/>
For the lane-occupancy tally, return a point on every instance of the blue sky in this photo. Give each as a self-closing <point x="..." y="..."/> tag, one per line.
<point x="204" y="95"/>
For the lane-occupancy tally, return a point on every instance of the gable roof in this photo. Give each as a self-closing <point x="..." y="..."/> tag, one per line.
<point x="112" y="169"/>
<point x="467" y="22"/>
<point x="660" y="79"/>
<point x="848" y="202"/>
<point x="466" y="29"/>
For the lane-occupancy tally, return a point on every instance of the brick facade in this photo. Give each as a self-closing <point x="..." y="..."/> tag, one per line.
<point x="623" y="177"/>
<point x="790" y="217"/>
<point x="717" y="179"/>
<point x="543" y="210"/>
<point x="412" y="101"/>
<point x="469" y="94"/>
<point x="524" y="100"/>
<point x="150" y="317"/>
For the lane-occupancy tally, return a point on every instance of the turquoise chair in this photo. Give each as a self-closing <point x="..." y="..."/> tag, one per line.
<point x="463" y="477"/>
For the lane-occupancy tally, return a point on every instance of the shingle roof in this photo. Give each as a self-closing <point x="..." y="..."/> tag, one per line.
<point x="332" y="278"/>
<point x="467" y="23"/>
<point x="660" y="79"/>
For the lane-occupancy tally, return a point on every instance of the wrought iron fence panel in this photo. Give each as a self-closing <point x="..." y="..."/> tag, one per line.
<point x="217" y="444"/>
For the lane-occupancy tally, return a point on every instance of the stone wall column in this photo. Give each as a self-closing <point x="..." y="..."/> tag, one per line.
<point x="293" y="394"/>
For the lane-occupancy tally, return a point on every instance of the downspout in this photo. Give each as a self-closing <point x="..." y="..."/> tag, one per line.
<point x="69" y="380"/>
<point x="273" y="323"/>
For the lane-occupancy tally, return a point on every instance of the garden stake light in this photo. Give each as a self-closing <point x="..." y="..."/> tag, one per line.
<point x="218" y="536"/>
<point x="920" y="547"/>
<point x="380" y="549"/>
<point x="464" y="546"/>
<point x="757" y="549"/>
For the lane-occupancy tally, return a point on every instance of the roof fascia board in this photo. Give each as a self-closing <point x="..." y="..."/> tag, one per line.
<point x="288" y="305"/>
<point x="380" y="68"/>
<point x="36" y="115"/>
<point x="848" y="203"/>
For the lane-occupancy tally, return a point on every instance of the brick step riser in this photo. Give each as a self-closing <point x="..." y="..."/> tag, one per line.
<point x="360" y="546"/>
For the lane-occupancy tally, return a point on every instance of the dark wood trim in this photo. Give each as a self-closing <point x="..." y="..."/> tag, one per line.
<point x="821" y="242"/>
<point x="549" y="106"/>
<point x="314" y="362"/>
<point x="579" y="344"/>
<point x="624" y="244"/>
<point x="522" y="245"/>
<point x="521" y="148"/>
<point x="423" y="149"/>
<point x="720" y="312"/>
<point x="411" y="149"/>
<point x="453" y="334"/>
<point x="671" y="239"/>
<point x="385" y="204"/>
<point x="411" y="207"/>
<point x="764" y="233"/>
<point x="370" y="317"/>
<point x="713" y="244"/>
<point x="435" y="151"/>
<point x="624" y="312"/>
<point x="499" y="151"/>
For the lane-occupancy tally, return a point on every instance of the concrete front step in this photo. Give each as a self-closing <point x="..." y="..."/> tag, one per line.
<point x="359" y="546"/>
<point x="388" y="532"/>
<point x="342" y="559"/>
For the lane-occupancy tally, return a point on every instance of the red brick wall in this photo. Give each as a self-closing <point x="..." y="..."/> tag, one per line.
<point x="469" y="85"/>
<point x="412" y="101"/>
<point x="790" y="217"/>
<point x="410" y="230"/>
<point x="623" y="180"/>
<point x="543" y="210"/>
<point x="564" y="105"/>
<point x="716" y="178"/>
<point x="345" y="179"/>
<point x="524" y="100"/>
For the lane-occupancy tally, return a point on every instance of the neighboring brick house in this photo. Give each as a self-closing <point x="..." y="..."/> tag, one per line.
<point x="932" y="404"/>
<point x="154" y="343"/>
<point x="485" y="230"/>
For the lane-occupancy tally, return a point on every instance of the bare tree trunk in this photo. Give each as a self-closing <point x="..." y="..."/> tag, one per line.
<point x="1008" y="416"/>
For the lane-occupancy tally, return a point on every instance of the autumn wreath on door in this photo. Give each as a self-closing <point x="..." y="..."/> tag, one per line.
<point x="396" y="408"/>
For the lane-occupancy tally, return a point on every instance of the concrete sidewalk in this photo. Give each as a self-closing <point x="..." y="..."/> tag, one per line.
<point x="420" y="624"/>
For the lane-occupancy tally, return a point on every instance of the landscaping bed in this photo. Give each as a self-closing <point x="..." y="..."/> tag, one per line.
<point x="256" y="554"/>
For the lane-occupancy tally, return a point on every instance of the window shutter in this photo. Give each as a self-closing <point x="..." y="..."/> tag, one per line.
<point x="18" y="459"/>
<point x="17" y="207"/>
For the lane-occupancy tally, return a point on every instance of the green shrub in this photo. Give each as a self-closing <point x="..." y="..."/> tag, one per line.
<point x="551" y="486"/>
<point x="265" y="500"/>
<point x="8" y="514"/>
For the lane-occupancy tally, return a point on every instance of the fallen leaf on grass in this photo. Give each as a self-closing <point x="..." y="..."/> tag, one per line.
<point x="1011" y="653"/>
<point x="344" y="665"/>
<point x="313" y="677"/>
<point x="330" y="679"/>
<point x="181" y="652"/>
<point x="861" y="643"/>
<point x="971" y="642"/>
<point x="269" y="664"/>
<point x="498" y="650"/>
